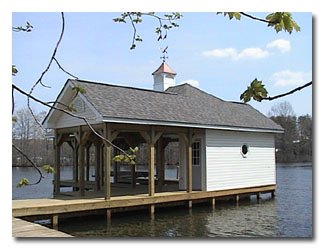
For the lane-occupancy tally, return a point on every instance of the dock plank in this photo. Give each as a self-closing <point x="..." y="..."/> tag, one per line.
<point x="72" y="204"/>
<point x="21" y="228"/>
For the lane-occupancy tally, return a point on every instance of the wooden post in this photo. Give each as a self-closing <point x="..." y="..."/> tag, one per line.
<point x="107" y="135"/>
<point x="102" y="163"/>
<point x="97" y="166"/>
<point x="152" y="210"/>
<point x="213" y="202"/>
<point x="189" y="162"/>
<point x="151" y="166"/>
<point x="273" y="193"/>
<point x="190" y="204"/>
<point x="108" y="216"/>
<point x="116" y="167"/>
<point x="75" y="163"/>
<point x="151" y="140"/>
<point x="237" y="198"/>
<point x="258" y="195"/>
<point x="87" y="161"/>
<point x="55" y="221"/>
<point x="57" y="164"/>
<point x="81" y="170"/>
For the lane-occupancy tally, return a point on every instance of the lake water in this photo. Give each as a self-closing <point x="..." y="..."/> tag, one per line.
<point x="289" y="214"/>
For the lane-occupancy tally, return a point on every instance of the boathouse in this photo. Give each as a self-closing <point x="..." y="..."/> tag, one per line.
<point x="223" y="145"/>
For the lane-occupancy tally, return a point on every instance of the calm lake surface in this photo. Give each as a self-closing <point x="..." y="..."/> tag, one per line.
<point x="289" y="214"/>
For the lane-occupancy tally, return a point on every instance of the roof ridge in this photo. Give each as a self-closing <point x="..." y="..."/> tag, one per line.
<point x="206" y="93"/>
<point x="121" y="86"/>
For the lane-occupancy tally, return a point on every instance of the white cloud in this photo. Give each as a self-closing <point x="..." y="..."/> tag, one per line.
<point x="280" y="44"/>
<point x="194" y="83"/>
<point x="248" y="53"/>
<point x="229" y="52"/>
<point x="287" y="77"/>
<point x="252" y="53"/>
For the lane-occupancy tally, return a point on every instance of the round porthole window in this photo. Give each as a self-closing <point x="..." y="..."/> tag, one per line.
<point x="244" y="150"/>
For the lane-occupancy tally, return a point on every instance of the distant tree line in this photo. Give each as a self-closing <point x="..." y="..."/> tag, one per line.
<point x="31" y="139"/>
<point x="295" y="144"/>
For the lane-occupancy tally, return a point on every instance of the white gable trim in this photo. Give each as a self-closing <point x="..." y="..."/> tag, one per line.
<point x="65" y="91"/>
<point x="190" y="125"/>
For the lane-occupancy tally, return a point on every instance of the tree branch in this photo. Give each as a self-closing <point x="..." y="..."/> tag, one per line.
<point x="31" y="162"/>
<point x="287" y="93"/>
<point x="60" y="67"/>
<point x="73" y="115"/>
<point x="256" y="18"/>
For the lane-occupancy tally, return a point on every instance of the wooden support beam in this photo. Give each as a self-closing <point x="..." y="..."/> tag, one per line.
<point x="81" y="155"/>
<point x="151" y="177"/>
<point x="108" y="216"/>
<point x="145" y="136"/>
<point x="108" y="148"/>
<point x="189" y="162"/>
<point x="87" y="161"/>
<point x="151" y="138"/>
<point x="57" y="173"/>
<point x="116" y="152"/>
<point x="237" y="198"/>
<point x="97" y="165"/>
<point x="55" y="221"/>
<point x="213" y="202"/>
<point x="152" y="210"/>
<point x="273" y="194"/>
<point x="155" y="137"/>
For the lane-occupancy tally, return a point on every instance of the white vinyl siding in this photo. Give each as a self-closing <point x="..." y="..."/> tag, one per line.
<point x="226" y="168"/>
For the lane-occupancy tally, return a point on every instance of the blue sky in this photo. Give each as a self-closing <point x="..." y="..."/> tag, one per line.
<point x="215" y="54"/>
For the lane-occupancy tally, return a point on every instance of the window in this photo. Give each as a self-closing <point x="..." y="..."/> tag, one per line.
<point x="196" y="153"/>
<point x="244" y="150"/>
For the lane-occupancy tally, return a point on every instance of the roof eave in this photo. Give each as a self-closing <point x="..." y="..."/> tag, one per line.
<point x="189" y="125"/>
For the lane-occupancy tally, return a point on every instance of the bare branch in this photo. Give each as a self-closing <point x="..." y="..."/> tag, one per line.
<point x="39" y="81"/>
<point x="31" y="162"/>
<point x="255" y="18"/>
<point x="73" y="115"/>
<point x="287" y="93"/>
<point x="60" y="67"/>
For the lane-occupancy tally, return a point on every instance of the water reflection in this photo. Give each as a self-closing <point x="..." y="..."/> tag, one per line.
<point x="288" y="215"/>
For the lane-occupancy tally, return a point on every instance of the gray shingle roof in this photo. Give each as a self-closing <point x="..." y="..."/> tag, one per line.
<point x="182" y="104"/>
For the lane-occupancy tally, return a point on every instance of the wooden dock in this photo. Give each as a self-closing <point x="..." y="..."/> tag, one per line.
<point x="22" y="228"/>
<point x="53" y="208"/>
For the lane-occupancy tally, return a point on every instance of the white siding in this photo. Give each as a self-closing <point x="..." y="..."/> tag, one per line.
<point x="66" y="120"/>
<point x="226" y="168"/>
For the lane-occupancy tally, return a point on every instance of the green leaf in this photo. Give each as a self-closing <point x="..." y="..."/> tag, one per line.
<point x="22" y="182"/>
<point x="71" y="108"/>
<point x="78" y="89"/>
<point x="14" y="119"/>
<point x="256" y="91"/>
<point x="14" y="70"/>
<point x="134" y="150"/>
<point x="282" y="21"/>
<point x="48" y="169"/>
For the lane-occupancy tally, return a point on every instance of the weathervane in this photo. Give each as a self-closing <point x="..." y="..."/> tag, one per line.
<point x="164" y="51"/>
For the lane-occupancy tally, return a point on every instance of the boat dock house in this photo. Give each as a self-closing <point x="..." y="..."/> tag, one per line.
<point x="225" y="148"/>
